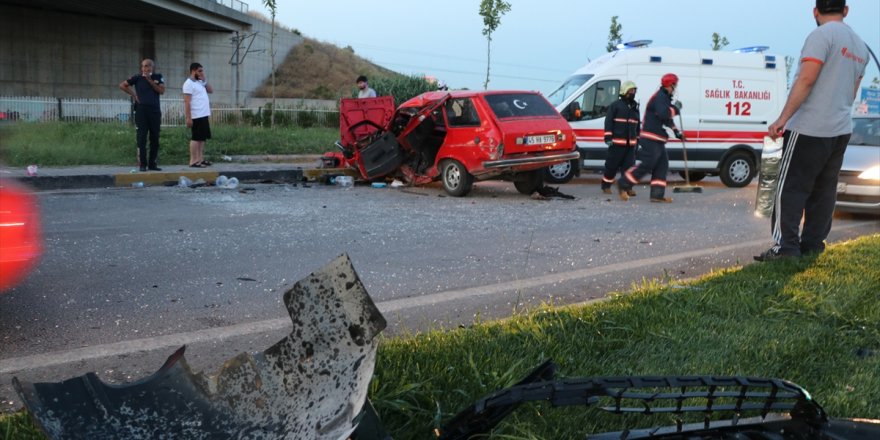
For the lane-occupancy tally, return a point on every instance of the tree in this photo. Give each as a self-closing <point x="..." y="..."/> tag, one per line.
<point x="614" y="35"/>
<point x="719" y="42"/>
<point x="491" y="11"/>
<point x="271" y="6"/>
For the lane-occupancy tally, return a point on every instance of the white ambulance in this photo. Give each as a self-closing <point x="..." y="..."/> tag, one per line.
<point x="728" y="100"/>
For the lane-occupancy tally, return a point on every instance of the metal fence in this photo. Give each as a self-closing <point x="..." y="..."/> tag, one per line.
<point x="48" y="109"/>
<point x="235" y="4"/>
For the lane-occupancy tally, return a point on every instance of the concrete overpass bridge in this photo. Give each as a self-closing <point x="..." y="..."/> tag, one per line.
<point x="84" y="48"/>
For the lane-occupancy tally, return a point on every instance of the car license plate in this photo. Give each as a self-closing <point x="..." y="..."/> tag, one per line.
<point x="542" y="139"/>
<point x="841" y="187"/>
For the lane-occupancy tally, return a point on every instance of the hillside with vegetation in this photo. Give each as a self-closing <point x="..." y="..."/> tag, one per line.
<point x="319" y="70"/>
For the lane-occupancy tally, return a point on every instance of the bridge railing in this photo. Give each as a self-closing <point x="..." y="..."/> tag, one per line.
<point x="235" y="4"/>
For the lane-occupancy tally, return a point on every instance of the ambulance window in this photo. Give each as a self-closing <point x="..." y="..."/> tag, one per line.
<point x="596" y="100"/>
<point x="567" y="88"/>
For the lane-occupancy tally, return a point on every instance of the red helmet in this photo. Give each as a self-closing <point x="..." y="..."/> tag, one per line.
<point x="669" y="79"/>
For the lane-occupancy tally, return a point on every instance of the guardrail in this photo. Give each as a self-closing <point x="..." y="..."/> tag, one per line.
<point x="48" y="109"/>
<point x="235" y="4"/>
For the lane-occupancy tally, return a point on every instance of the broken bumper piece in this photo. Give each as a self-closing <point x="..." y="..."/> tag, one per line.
<point x="310" y="385"/>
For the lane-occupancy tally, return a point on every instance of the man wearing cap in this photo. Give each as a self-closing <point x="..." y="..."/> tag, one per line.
<point x="364" y="90"/>
<point x="815" y="124"/>
<point x="621" y="135"/>
<point x="659" y="114"/>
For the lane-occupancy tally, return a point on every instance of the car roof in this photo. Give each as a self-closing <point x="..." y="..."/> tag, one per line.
<point x="424" y="98"/>
<point x="470" y="93"/>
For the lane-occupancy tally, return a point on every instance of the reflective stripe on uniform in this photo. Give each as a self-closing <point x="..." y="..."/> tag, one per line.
<point x="653" y="137"/>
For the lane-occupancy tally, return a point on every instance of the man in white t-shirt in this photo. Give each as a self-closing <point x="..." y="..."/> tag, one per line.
<point x="816" y="124"/>
<point x="197" y="108"/>
<point x="364" y="89"/>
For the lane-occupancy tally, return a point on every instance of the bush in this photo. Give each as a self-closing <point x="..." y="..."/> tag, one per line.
<point x="306" y="118"/>
<point x="401" y="88"/>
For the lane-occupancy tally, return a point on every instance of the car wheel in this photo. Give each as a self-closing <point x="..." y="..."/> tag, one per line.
<point x="529" y="182"/>
<point x="695" y="176"/>
<point x="561" y="172"/>
<point x="457" y="181"/>
<point x="738" y="170"/>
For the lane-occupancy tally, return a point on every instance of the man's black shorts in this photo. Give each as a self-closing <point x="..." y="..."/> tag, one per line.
<point x="201" y="129"/>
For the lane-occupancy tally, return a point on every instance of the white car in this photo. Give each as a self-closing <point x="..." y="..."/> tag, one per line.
<point x="858" y="187"/>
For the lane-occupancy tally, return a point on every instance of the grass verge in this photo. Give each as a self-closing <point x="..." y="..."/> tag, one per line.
<point x="814" y="321"/>
<point x="71" y="144"/>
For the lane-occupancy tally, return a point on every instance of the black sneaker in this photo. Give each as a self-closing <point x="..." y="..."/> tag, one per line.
<point x="155" y="168"/>
<point x="143" y="169"/>
<point x="772" y="254"/>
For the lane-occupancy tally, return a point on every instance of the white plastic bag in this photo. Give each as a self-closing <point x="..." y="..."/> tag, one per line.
<point x="768" y="177"/>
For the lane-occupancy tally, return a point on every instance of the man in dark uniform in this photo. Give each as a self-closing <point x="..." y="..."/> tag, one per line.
<point x="621" y="135"/>
<point x="145" y="90"/>
<point x="659" y="114"/>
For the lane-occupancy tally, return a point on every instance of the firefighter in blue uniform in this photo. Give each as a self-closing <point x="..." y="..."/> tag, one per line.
<point x="659" y="114"/>
<point x="621" y="136"/>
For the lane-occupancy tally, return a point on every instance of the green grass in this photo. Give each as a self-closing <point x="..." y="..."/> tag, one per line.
<point x="71" y="144"/>
<point x="808" y="321"/>
<point x="814" y="321"/>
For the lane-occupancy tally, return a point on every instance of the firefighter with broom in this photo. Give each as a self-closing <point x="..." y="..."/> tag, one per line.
<point x="652" y="157"/>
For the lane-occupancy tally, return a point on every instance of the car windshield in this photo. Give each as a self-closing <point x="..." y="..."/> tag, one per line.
<point x="517" y="105"/>
<point x="866" y="131"/>
<point x="570" y="86"/>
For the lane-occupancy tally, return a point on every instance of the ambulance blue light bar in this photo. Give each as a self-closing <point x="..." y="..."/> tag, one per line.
<point x="753" y="49"/>
<point x="634" y="44"/>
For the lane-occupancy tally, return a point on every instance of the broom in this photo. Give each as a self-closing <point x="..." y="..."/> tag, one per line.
<point x="687" y="188"/>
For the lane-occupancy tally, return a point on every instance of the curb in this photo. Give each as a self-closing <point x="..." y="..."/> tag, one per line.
<point x="44" y="183"/>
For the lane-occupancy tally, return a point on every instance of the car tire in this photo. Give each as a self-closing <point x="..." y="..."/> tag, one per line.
<point x="457" y="181"/>
<point x="561" y="172"/>
<point x="695" y="176"/>
<point x="529" y="182"/>
<point x="737" y="170"/>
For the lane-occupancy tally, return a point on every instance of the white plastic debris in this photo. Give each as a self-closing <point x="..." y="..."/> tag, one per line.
<point x="184" y="182"/>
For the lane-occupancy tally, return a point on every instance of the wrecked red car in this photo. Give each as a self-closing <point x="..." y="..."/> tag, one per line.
<point x="456" y="137"/>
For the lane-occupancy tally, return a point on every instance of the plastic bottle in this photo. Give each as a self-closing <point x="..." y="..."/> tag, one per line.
<point x="344" y="181"/>
<point x="184" y="182"/>
<point x="221" y="181"/>
<point x="137" y="184"/>
<point x="232" y="183"/>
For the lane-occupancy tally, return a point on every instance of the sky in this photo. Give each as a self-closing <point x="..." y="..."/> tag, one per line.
<point x="539" y="43"/>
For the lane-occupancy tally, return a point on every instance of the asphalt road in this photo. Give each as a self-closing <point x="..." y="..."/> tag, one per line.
<point x="131" y="274"/>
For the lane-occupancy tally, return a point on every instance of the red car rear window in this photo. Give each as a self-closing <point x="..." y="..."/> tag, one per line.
<point x="518" y="105"/>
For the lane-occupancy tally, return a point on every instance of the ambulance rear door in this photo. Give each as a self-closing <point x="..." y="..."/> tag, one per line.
<point x="740" y="94"/>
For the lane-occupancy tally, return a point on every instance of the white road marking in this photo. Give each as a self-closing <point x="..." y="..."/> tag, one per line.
<point x="24" y="363"/>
